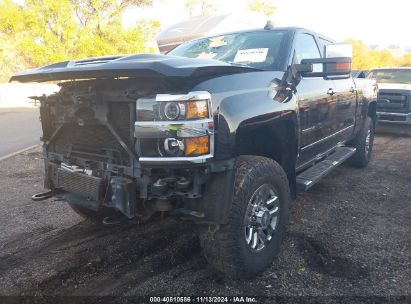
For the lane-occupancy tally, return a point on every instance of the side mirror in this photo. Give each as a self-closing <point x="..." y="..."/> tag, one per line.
<point x="336" y="64"/>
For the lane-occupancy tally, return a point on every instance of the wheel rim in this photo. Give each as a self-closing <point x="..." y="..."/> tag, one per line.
<point x="261" y="218"/>
<point x="368" y="142"/>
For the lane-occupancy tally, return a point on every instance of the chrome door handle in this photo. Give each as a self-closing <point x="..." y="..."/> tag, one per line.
<point x="353" y="90"/>
<point x="331" y="91"/>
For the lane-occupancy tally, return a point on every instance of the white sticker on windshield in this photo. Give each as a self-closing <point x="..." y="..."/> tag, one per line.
<point x="251" y="55"/>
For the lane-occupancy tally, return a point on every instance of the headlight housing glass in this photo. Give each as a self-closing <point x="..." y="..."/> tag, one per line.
<point x="188" y="110"/>
<point x="197" y="146"/>
<point x="173" y="110"/>
<point x="180" y="125"/>
<point x="197" y="109"/>
<point x="151" y="110"/>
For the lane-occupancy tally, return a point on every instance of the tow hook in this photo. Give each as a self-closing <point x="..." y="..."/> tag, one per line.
<point x="42" y="196"/>
<point x="115" y="219"/>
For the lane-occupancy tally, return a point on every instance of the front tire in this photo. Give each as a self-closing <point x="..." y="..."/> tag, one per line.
<point x="364" y="144"/>
<point x="247" y="244"/>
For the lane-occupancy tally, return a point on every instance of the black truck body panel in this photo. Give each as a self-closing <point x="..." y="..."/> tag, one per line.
<point x="95" y="110"/>
<point x="142" y="65"/>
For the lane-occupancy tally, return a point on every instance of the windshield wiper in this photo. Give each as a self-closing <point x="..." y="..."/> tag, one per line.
<point x="244" y="65"/>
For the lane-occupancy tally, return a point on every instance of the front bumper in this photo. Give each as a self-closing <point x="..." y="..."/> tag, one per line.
<point x="141" y="195"/>
<point x="151" y="174"/>
<point x="395" y="118"/>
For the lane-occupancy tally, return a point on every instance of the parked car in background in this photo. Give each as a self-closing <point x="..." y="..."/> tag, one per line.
<point x="394" y="98"/>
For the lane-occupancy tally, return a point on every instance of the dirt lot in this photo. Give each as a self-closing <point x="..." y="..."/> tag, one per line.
<point x="348" y="236"/>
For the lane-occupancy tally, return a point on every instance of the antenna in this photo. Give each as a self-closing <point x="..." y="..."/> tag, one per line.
<point x="269" y="25"/>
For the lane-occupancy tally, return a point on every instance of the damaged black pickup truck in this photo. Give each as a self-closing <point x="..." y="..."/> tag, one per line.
<point x="222" y="130"/>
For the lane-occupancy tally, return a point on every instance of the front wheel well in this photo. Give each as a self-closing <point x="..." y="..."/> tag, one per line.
<point x="275" y="141"/>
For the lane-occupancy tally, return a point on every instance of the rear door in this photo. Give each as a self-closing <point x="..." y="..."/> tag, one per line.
<point x="316" y="104"/>
<point x="345" y="108"/>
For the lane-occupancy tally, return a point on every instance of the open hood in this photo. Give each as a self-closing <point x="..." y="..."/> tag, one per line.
<point x="143" y="65"/>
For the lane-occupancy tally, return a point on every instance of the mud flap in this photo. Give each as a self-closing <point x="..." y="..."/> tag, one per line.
<point x="123" y="196"/>
<point x="217" y="198"/>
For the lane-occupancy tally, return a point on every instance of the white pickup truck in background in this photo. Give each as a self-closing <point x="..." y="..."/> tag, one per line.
<point x="394" y="98"/>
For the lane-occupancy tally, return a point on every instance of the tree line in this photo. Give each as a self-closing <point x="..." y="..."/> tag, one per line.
<point x="39" y="32"/>
<point x="365" y="58"/>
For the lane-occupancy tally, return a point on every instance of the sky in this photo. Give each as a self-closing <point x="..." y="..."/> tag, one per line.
<point x="375" y="22"/>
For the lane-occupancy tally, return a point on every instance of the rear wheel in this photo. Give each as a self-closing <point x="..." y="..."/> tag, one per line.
<point x="364" y="144"/>
<point x="248" y="243"/>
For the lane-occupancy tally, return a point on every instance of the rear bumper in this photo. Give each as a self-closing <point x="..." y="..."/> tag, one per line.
<point x="395" y="118"/>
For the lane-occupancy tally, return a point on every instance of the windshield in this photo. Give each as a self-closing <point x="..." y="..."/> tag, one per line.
<point x="391" y="76"/>
<point x="255" y="49"/>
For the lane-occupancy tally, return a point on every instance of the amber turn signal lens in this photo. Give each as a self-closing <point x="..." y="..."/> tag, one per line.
<point x="196" y="146"/>
<point x="343" y="66"/>
<point x="197" y="109"/>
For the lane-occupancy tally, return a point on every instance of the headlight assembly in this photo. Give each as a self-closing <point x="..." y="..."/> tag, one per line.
<point x="183" y="110"/>
<point x="197" y="109"/>
<point x="167" y="107"/>
<point x="173" y="110"/>
<point x="195" y="146"/>
<point x="175" y="127"/>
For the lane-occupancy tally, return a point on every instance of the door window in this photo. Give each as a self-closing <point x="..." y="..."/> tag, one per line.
<point x="323" y="42"/>
<point x="305" y="47"/>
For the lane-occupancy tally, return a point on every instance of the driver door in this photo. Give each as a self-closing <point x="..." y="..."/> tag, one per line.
<point x="316" y="104"/>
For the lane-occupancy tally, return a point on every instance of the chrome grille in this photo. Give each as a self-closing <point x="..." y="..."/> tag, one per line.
<point x="392" y="102"/>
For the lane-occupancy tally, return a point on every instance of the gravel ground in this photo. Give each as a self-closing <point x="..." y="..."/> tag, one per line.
<point x="348" y="236"/>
